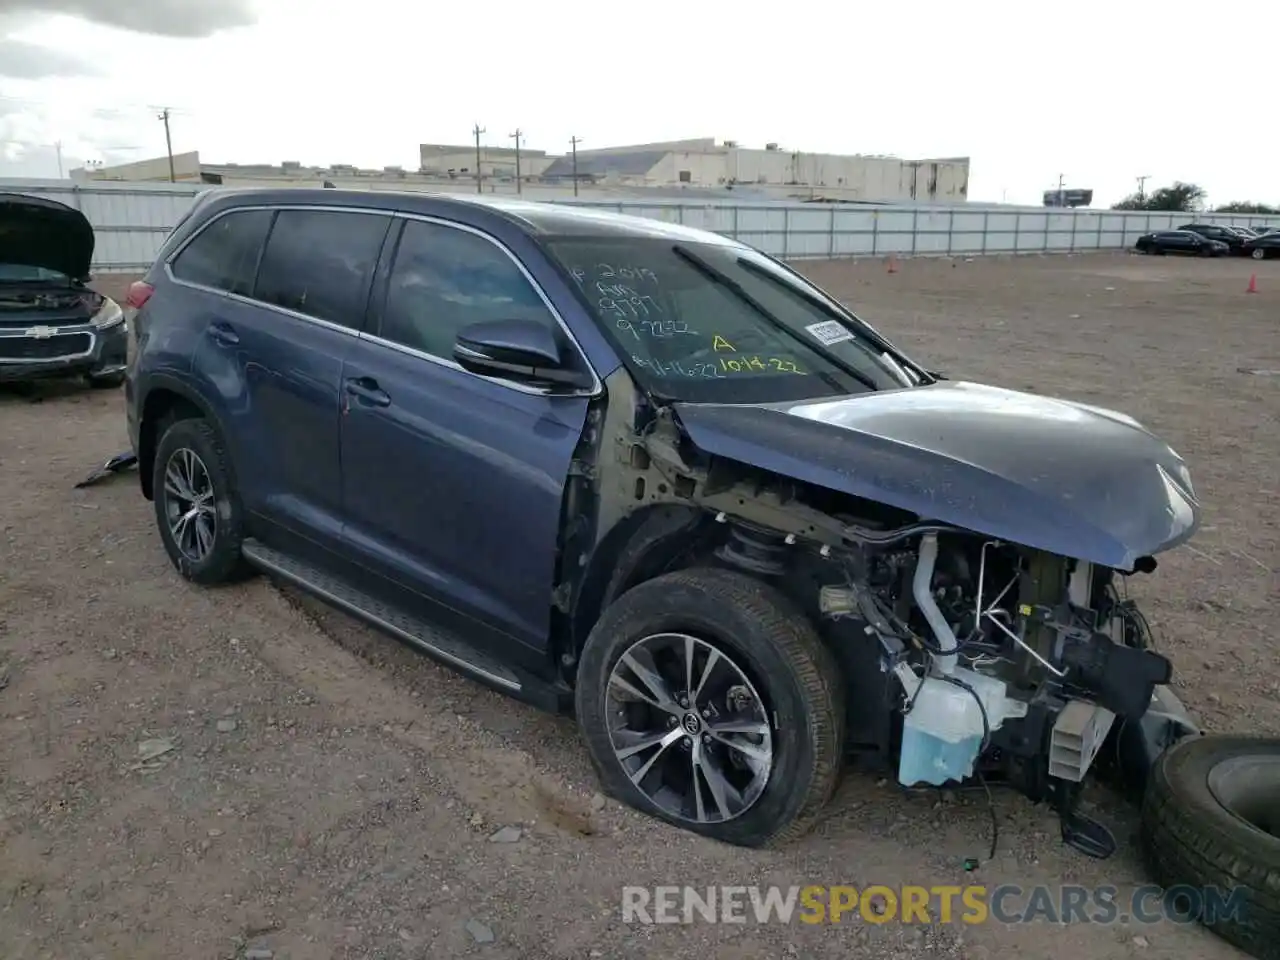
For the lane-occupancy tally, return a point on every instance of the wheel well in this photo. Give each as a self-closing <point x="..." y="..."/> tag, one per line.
<point x="647" y="543"/>
<point x="161" y="408"/>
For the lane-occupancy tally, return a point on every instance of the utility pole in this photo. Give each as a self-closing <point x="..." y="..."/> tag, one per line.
<point x="1061" y="198"/>
<point x="1142" y="186"/>
<point x="573" y="143"/>
<point x="57" y="146"/>
<point x="477" y="130"/>
<point x="516" y="137"/>
<point x="168" y="143"/>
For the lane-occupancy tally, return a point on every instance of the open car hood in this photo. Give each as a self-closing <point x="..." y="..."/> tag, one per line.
<point x="1064" y="477"/>
<point x="35" y="232"/>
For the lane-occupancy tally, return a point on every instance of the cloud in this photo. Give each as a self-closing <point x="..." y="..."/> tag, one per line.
<point x="165" y="18"/>
<point x="29" y="61"/>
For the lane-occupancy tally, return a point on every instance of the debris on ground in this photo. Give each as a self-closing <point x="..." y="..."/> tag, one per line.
<point x="155" y="748"/>
<point x="506" y="835"/>
<point x="480" y="932"/>
<point x="118" y="463"/>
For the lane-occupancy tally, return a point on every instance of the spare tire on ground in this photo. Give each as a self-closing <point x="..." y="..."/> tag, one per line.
<point x="1211" y="819"/>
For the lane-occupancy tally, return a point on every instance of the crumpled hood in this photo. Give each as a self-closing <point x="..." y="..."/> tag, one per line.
<point x="1065" y="477"/>
<point x="36" y="232"/>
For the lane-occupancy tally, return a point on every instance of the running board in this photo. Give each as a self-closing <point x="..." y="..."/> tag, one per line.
<point x="416" y="633"/>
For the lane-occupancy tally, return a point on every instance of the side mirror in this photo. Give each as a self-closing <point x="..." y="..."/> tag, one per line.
<point x="522" y="350"/>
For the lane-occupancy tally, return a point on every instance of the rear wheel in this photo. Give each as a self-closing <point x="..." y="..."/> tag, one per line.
<point x="1258" y="253"/>
<point x="197" y="510"/>
<point x="708" y="700"/>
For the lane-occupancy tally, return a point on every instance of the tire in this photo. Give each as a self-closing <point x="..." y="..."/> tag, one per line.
<point x="1190" y="837"/>
<point x="1258" y="254"/>
<point x="110" y="381"/>
<point x="752" y="627"/>
<point x="222" y="562"/>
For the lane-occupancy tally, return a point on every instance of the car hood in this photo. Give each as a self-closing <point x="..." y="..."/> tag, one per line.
<point x="35" y="232"/>
<point x="1072" y="479"/>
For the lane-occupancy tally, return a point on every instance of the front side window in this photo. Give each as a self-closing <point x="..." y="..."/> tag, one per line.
<point x="716" y="322"/>
<point x="320" y="262"/>
<point x="224" y="255"/>
<point x="444" y="279"/>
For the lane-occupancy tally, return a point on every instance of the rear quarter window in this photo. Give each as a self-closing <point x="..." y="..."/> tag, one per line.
<point x="224" y="254"/>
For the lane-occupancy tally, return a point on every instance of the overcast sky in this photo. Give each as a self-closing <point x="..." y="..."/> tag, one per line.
<point x="1101" y="91"/>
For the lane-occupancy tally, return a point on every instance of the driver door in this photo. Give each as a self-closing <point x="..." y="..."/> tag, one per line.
<point x="452" y="482"/>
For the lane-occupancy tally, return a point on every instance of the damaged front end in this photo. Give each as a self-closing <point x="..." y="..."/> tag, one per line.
<point x="971" y="655"/>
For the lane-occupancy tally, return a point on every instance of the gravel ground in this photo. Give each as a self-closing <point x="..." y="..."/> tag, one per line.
<point x="227" y="773"/>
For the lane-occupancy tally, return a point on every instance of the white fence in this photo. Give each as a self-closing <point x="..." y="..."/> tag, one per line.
<point x="132" y="220"/>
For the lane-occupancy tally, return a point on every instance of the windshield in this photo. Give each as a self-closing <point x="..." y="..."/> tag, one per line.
<point x="21" y="273"/>
<point x="719" y="323"/>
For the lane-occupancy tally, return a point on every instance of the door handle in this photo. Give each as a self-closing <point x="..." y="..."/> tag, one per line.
<point x="367" y="390"/>
<point x="223" y="334"/>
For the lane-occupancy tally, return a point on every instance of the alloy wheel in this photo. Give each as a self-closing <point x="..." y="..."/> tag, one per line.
<point x="189" y="504"/>
<point x="689" y="728"/>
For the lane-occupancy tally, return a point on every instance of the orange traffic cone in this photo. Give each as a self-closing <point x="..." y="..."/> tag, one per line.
<point x="893" y="265"/>
<point x="1253" y="284"/>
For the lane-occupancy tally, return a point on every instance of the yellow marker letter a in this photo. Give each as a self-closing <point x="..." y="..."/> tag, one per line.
<point x="720" y="343"/>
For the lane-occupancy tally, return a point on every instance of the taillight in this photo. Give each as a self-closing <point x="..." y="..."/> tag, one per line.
<point x="139" y="293"/>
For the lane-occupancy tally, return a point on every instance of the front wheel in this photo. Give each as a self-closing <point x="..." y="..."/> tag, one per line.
<point x="707" y="699"/>
<point x="1259" y="254"/>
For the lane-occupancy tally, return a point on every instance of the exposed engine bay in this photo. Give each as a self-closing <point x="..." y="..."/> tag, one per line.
<point x="1005" y="662"/>
<point x="27" y="298"/>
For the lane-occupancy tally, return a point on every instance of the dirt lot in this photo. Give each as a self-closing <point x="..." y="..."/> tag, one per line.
<point x="328" y="794"/>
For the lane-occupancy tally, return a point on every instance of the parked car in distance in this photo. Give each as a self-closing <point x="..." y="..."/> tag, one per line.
<point x="1162" y="242"/>
<point x="1227" y="235"/>
<point x="1263" y="247"/>
<point x="651" y="476"/>
<point x="51" y="323"/>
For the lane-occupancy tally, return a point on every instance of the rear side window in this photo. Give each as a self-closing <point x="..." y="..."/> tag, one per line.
<point x="319" y="262"/>
<point x="224" y="255"/>
<point x="444" y="279"/>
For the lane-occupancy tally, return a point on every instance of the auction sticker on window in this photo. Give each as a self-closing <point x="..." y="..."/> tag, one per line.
<point x="829" y="331"/>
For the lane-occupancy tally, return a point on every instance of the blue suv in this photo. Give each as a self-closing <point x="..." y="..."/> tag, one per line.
<point x="649" y="475"/>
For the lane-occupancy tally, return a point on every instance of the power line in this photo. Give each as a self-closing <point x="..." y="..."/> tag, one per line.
<point x="116" y="110"/>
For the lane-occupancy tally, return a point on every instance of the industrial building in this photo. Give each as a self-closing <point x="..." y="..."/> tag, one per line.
<point x="450" y="160"/>
<point x="786" y="173"/>
<point x="189" y="168"/>
<point x="694" y="169"/>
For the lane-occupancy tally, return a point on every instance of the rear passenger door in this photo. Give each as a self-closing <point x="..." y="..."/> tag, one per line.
<point x="275" y="356"/>
<point x="453" y="482"/>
